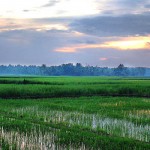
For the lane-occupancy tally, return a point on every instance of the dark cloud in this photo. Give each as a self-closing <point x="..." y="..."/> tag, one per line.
<point x="130" y="3"/>
<point x="123" y="6"/>
<point x="127" y="4"/>
<point x="26" y="10"/>
<point x="126" y="25"/>
<point x="147" y="6"/>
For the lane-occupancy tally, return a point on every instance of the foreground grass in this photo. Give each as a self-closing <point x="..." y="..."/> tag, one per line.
<point x="76" y="123"/>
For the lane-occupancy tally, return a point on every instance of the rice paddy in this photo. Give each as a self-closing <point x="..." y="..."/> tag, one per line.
<point x="71" y="113"/>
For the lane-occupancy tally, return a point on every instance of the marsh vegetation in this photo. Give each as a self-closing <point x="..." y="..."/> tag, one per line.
<point x="74" y="113"/>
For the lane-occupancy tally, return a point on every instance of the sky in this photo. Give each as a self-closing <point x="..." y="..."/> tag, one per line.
<point x="102" y="33"/>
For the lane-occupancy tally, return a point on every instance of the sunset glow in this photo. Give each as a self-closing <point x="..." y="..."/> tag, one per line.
<point x="130" y="43"/>
<point x="103" y="59"/>
<point x="24" y="24"/>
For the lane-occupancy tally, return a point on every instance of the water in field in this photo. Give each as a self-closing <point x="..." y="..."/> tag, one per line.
<point x="36" y="140"/>
<point x="119" y="127"/>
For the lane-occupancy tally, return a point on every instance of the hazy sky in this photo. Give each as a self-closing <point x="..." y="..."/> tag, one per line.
<point x="93" y="32"/>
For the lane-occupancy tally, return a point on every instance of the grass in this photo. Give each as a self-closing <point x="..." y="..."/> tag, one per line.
<point x="73" y="87"/>
<point x="73" y="113"/>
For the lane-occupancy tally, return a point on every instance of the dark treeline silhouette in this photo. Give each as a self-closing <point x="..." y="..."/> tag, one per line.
<point x="73" y="70"/>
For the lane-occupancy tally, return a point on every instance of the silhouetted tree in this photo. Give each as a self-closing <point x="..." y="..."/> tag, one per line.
<point x="73" y="70"/>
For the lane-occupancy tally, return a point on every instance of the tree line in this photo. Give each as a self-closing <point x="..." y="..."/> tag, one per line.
<point x="73" y="70"/>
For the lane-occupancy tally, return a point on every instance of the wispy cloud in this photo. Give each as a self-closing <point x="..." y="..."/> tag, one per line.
<point x="30" y="24"/>
<point x="51" y="3"/>
<point x="103" y="58"/>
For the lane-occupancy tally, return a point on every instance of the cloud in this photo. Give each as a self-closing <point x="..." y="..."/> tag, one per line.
<point x="25" y="10"/>
<point x="128" y="3"/>
<point x="147" y="6"/>
<point x="33" y="47"/>
<point x="126" y="25"/>
<point x="120" y="7"/>
<point x="72" y="8"/>
<point x="94" y="32"/>
<point x="32" y="24"/>
<point x="51" y="3"/>
<point x="128" y="43"/>
<point x="103" y="58"/>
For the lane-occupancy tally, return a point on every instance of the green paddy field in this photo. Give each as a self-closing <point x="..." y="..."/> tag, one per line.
<point x="74" y="113"/>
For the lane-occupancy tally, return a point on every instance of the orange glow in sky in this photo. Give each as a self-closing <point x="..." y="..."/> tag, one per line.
<point x="128" y="43"/>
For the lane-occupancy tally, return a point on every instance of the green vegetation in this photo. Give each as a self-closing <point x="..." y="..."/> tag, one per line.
<point x="73" y="87"/>
<point x="108" y="113"/>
